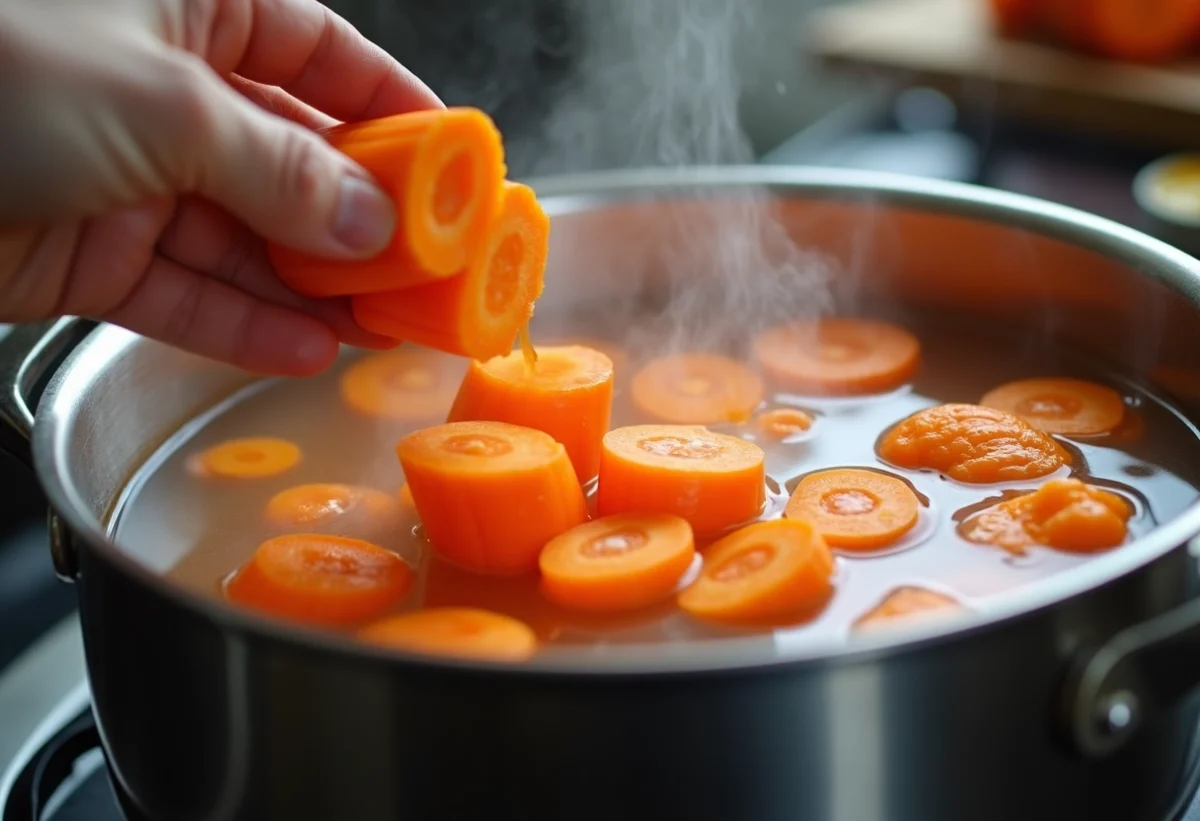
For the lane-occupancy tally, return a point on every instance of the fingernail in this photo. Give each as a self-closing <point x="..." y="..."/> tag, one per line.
<point x="365" y="217"/>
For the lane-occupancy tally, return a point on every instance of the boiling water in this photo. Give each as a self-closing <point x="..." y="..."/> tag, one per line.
<point x="198" y="531"/>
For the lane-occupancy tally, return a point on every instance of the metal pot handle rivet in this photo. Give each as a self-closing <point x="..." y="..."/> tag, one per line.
<point x="62" y="549"/>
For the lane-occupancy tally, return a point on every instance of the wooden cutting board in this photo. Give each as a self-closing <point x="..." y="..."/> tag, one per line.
<point x="949" y="44"/>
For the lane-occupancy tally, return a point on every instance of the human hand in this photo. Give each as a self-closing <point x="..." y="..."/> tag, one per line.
<point x="149" y="146"/>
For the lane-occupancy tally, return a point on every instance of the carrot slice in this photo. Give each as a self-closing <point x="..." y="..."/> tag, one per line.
<point x="401" y="385"/>
<point x="696" y="389"/>
<point x="1060" y="405"/>
<point x="781" y="423"/>
<point x="615" y="353"/>
<point x="1065" y="514"/>
<point x="855" y="509"/>
<point x="321" y="579"/>
<point x="838" y="356"/>
<point x="322" y="507"/>
<point x="1142" y="30"/>
<point x="489" y="494"/>
<point x="712" y="480"/>
<point x="972" y="444"/>
<point x="443" y="169"/>
<point x="248" y="458"/>
<point x="619" y="562"/>
<point x="480" y="312"/>
<point x="765" y="571"/>
<point x="461" y="632"/>
<point x="567" y="394"/>
<point x="904" y="604"/>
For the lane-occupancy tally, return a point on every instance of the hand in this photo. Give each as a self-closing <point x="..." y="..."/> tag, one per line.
<point x="148" y="147"/>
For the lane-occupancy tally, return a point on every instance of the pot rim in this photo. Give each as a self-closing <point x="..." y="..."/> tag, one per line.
<point x="566" y="194"/>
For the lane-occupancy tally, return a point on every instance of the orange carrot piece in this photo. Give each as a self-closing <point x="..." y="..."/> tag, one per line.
<point x="616" y="563"/>
<point x="402" y="385"/>
<point x="567" y="394"/>
<point x="696" y="389"/>
<point x="616" y="354"/>
<point x="712" y="480"/>
<point x="489" y="494"/>
<point x="1071" y="407"/>
<point x="480" y="312"/>
<point x="326" y="507"/>
<point x="443" y="169"/>
<point x="405" y="496"/>
<point x="855" y="509"/>
<point x="321" y="579"/>
<point x="838" y="356"/>
<point x="1142" y="30"/>
<point x="765" y="571"/>
<point x="459" y="632"/>
<point x="249" y="458"/>
<point x="1064" y="514"/>
<point x="782" y="423"/>
<point x="972" y="444"/>
<point x="904" y="605"/>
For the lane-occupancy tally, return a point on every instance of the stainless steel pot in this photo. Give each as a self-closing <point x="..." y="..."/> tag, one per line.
<point x="1072" y="701"/>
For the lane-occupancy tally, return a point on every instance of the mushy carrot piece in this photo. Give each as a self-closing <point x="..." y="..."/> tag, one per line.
<point x="783" y="423"/>
<point x="855" y="509"/>
<point x="478" y="313"/>
<point x="566" y="394"/>
<point x="321" y="579"/>
<point x="904" y="605"/>
<point x="489" y="494"/>
<point x="1060" y="405"/>
<point x="619" y="562"/>
<point x="401" y="385"/>
<point x="461" y="632"/>
<point x="324" y="507"/>
<point x="443" y="169"/>
<point x="247" y="458"/>
<point x="972" y="444"/>
<point x="838" y="356"/>
<point x="764" y="571"/>
<point x="712" y="480"/>
<point x="696" y="389"/>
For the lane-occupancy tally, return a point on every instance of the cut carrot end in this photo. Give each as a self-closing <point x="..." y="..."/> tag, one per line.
<point x="402" y="385"/>
<point x="480" y="312"/>
<point x="782" y="423"/>
<point x="460" y="632"/>
<point x="838" y="356"/>
<point x="905" y="605"/>
<point x="617" y="563"/>
<point x="249" y="458"/>
<point x="321" y="507"/>
<point x="489" y="494"/>
<point x="567" y="394"/>
<point x="696" y="389"/>
<point x="1071" y="407"/>
<point x="855" y="509"/>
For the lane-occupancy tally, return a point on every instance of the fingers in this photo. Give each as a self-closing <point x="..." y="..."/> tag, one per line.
<point x="321" y="59"/>
<point x="278" y="102"/>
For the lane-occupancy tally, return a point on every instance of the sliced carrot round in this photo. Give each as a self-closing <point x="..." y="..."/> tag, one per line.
<point x="905" y="604"/>
<point x="461" y="632"/>
<point x="838" y="356"/>
<point x="855" y="509"/>
<point x="321" y="579"/>
<point x="1144" y="30"/>
<point x="696" y="389"/>
<point x="250" y="458"/>
<point x="764" y="571"/>
<point x="566" y="394"/>
<point x="619" y="562"/>
<point x="402" y="385"/>
<point x="489" y="494"/>
<point x="320" y="506"/>
<point x="782" y="423"/>
<point x="1060" y="405"/>
<point x="712" y="480"/>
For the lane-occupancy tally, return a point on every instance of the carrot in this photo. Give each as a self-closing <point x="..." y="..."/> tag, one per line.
<point x="566" y="394"/>
<point x="838" y="356"/>
<point x="696" y="389"/>
<point x="489" y="494"/>
<point x="403" y="385"/>
<point x="765" y="571"/>
<point x="321" y="507"/>
<point x="460" y="632"/>
<point x="249" y="458"/>
<point x="480" y="312"/>
<point x="443" y="168"/>
<point x="1065" y="514"/>
<point x="855" y="509"/>
<point x="972" y="444"/>
<point x="783" y="423"/>
<point x="1013" y="17"/>
<point x="1071" y="407"/>
<point x="712" y="480"/>
<point x="405" y="496"/>
<point x="321" y="579"/>
<point x="617" y="355"/>
<point x="1142" y="30"/>
<point x="905" y="604"/>
<point x="619" y="562"/>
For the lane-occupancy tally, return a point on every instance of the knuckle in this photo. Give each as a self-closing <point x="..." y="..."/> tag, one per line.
<point x="304" y="172"/>
<point x="189" y="92"/>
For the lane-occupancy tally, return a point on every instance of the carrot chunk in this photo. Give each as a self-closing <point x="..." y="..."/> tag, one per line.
<point x="765" y="571"/>
<point x="327" y="507"/>
<point x="1060" y="405"/>
<point x="480" y="312"/>
<point x="249" y="458"/>
<point x="616" y="354"/>
<point x="782" y="423"/>
<point x="461" y="632"/>
<point x="443" y="170"/>
<point x="489" y="494"/>
<point x="855" y="509"/>
<point x="712" y="480"/>
<point x="566" y="394"/>
<point x="619" y="562"/>
<point x="401" y="385"/>
<point x="905" y="604"/>
<point x="1065" y="514"/>
<point x="696" y="389"/>
<point x="972" y="444"/>
<point x="321" y="579"/>
<point x="1142" y="30"/>
<point x="838" y="356"/>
